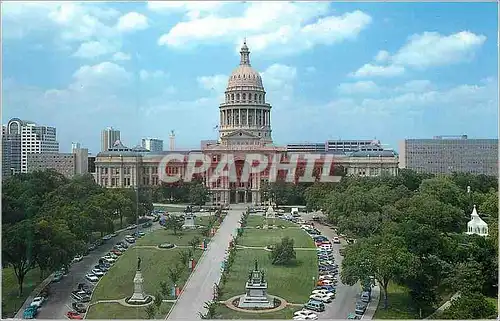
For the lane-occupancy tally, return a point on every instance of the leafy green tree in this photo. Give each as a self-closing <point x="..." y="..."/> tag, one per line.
<point x="283" y="253"/>
<point x="17" y="249"/>
<point x="210" y="310"/>
<point x="442" y="189"/>
<point x="194" y="242"/>
<point x="198" y="193"/>
<point x="385" y="257"/>
<point x="184" y="257"/>
<point x="151" y="311"/>
<point x="470" y="306"/>
<point x="174" y="273"/>
<point x="158" y="299"/>
<point x="174" y="223"/>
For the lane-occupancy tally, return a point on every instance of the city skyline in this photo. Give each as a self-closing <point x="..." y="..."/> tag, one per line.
<point x="332" y="70"/>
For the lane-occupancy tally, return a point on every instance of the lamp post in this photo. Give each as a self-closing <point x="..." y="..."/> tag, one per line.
<point x="471" y="200"/>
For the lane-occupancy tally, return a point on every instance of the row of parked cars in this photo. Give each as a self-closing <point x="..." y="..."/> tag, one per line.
<point x="325" y="290"/>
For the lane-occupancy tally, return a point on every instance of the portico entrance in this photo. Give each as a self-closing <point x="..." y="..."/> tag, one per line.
<point x="240" y="196"/>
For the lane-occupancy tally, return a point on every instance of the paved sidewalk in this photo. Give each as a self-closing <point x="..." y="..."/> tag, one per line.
<point x="33" y="294"/>
<point x="199" y="287"/>
<point x="372" y="306"/>
<point x="445" y="305"/>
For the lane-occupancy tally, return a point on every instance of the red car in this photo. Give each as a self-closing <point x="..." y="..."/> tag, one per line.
<point x="74" y="315"/>
<point x="115" y="251"/>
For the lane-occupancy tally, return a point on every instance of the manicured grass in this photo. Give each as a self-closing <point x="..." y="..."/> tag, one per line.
<point x="259" y="220"/>
<point x="118" y="311"/>
<point x="293" y="283"/>
<point x="118" y="282"/>
<point x="400" y="304"/>
<point x="223" y="312"/>
<point x="171" y="208"/>
<point x="494" y="301"/>
<point x="256" y="237"/>
<point x="204" y="220"/>
<point x="167" y="236"/>
<point x="11" y="302"/>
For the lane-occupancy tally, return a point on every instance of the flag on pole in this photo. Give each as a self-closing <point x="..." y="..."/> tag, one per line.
<point x="216" y="126"/>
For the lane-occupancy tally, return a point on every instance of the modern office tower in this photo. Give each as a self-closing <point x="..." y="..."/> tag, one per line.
<point x="448" y="154"/>
<point x="108" y="138"/>
<point x="75" y="145"/>
<point x="172" y="140"/>
<point x="25" y="138"/>
<point x="332" y="146"/>
<point x="6" y="154"/>
<point x="68" y="164"/>
<point x="153" y="144"/>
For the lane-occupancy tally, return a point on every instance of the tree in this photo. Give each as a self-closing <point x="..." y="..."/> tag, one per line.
<point x="151" y="311"/>
<point x="470" y="306"/>
<point x="184" y="257"/>
<point x="17" y="249"/>
<point x="198" y="193"/>
<point x="174" y="274"/>
<point x="174" y="223"/>
<point x="385" y="257"/>
<point x="158" y="299"/>
<point x="164" y="288"/>
<point x="210" y="310"/>
<point x="283" y="253"/>
<point x="194" y="242"/>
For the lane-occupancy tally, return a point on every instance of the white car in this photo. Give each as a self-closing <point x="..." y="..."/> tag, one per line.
<point x="304" y="312"/>
<point x="326" y="246"/>
<point x="37" y="302"/>
<point x="91" y="277"/>
<point x="327" y="262"/>
<point x="112" y="255"/>
<point x="77" y="258"/>
<point x="336" y="240"/>
<point x="303" y="317"/>
<point x="321" y="297"/>
<point x="324" y="292"/>
<point x="327" y="277"/>
<point x="108" y="259"/>
<point x="97" y="272"/>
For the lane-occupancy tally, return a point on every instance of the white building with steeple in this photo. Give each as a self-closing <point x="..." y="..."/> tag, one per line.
<point x="476" y="225"/>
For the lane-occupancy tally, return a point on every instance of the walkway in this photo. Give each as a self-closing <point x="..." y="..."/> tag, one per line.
<point x="199" y="286"/>
<point x="373" y="304"/>
<point x="445" y="305"/>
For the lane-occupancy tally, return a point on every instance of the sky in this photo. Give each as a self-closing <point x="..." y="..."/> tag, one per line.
<point x="388" y="71"/>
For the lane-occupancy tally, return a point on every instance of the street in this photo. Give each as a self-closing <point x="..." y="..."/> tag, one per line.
<point x="346" y="296"/>
<point x="59" y="301"/>
<point x="199" y="288"/>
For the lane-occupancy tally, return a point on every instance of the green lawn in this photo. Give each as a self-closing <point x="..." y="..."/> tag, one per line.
<point x="118" y="282"/>
<point x="223" y="312"/>
<point x="167" y="236"/>
<point x="118" y="311"/>
<point x="494" y="301"/>
<point x="258" y="220"/>
<point x="400" y="304"/>
<point x="255" y="237"/>
<point x="204" y="220"/>
<point x="293" y="284"/>
<point x="171" y="208"/>
<point x="11" y="302"/>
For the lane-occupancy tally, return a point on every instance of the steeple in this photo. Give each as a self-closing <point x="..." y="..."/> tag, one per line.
<point x="474" y="212"/>
<point x="245" y="54"/>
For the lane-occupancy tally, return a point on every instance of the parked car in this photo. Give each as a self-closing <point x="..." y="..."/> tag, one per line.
<point x="329" y="288"/>
<point x="77" y="258"/>
<point x="108" y="259"/>
<point x="365" y="297"/>
<point x="30" y="312"/>
<point x="360" y="309"/>
<point x="92" y="247"/>
<point x="352" y="316"/>
<point x="130" y="240"/>
<point x="114" y="234"/>
<point x="97" y="272"/>
<point x="107" y="238"/>
<point x="37" y="302"/>
<point x="321" y="298"/>
<point x="78" y="294"/>
<point x="91" y="277"/>
<point x="73" y="315"/>
<point x="147" y="224"/>
<point x="116" y="252"/>
<point x="315" y="305"/>
<point x="101" y="267"/>
<point x="324" y="292"/>
<point x="306" y="313"/>
<point x="57" y="277"/>
<point x="336" y="240"/>
<point x="85" y="288"/>
<point x="131" y="227"/>
<point x="111" y="255"/>
<point x="79" y="307"/>
<point x="325" y="282"/>
<point x="327" y="277"/>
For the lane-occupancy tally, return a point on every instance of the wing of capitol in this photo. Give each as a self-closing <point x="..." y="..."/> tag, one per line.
<point x="244" y="128"/>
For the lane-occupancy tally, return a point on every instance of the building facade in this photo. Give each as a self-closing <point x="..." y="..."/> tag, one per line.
<point x="68" y="164"/>
<point x="448" y="154"/>
<point x="244" y="128"/>
<point x="108" y="137"/>
<point x="22" y="138"/>
<point x="152" y="144"/>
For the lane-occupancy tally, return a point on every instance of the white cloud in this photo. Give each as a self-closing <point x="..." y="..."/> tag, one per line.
<point x="215" y="83"/>
<point x="155" y="74"/>
<point x="121" y="56"/>
<point x="132" y="21"/>
<point x="277" y="76"/>
<point x="431" y="49"/>
<point x="192" y="9"/>
<point x="273" y="27"/>
<point x="93" y="49"/>
<point x="415" y="86"/>
<point x="100" y="75"/>
<point x="358" y="87"/>
<point x="382" y="56"/>
<point x="369" y="70"/>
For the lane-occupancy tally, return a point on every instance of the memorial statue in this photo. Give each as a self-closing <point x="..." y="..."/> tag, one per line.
<point x="256" y="266"/>
<point x="250" y="276"/>
<point x="261" y="276"/>
<point x="138" y="264"/>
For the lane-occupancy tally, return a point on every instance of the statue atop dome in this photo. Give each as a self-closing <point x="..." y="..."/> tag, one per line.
<point x="245" y="54"/>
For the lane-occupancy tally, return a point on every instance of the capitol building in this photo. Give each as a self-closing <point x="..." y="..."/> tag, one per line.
<point x="244" y="127"/>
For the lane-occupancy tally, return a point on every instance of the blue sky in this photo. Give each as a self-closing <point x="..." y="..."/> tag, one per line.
<point x="332" y="70"/>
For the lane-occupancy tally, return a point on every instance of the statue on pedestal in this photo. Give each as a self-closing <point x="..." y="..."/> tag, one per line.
<point x="138" y="264"/>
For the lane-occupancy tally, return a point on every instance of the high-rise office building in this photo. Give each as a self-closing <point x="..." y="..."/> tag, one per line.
<point x="152" y="144"/>
<point x="108" y="137"/>
<point x="448" y="154"/>
<point x="22" y="138"/>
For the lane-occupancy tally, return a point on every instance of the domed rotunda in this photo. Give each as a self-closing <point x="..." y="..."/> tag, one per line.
<point x="245" y="117"/>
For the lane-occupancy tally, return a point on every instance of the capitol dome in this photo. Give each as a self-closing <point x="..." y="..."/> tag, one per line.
<point x="244" y="75"/>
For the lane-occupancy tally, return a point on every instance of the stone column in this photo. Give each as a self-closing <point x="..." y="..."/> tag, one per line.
<point x="248" y="125"/>
<point x="110" y="169"/>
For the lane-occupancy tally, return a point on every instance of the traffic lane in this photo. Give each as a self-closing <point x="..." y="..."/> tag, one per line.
<point x="346" y="296"/>
<point x="60" y="300"/>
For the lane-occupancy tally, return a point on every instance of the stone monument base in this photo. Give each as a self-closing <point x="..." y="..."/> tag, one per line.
<point x="255" y="302"/>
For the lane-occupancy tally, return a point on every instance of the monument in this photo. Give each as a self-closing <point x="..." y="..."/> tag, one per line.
<point x="256" y="291"/>
<point x="188" y="218"/>
<point x="139" y="297"/>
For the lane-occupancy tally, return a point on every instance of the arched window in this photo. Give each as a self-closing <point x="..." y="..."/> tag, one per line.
<point x="237" y="97"/>
<point x="244" y="96"/>
<point x="232" y="97"/>
<point x="255" y="97"/>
